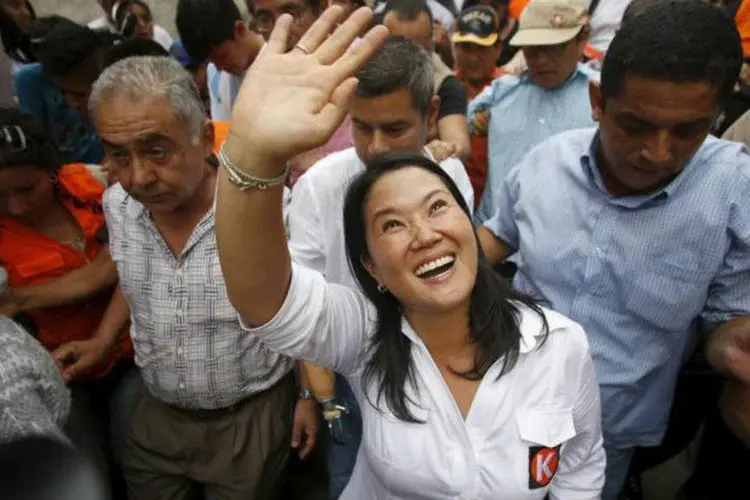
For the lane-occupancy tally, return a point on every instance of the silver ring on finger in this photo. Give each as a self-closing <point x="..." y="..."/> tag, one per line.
<point x="304" y="49"/>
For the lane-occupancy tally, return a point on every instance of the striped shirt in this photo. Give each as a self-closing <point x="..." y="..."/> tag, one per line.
<point x="188" y="342"/>
<point x="640" y="273"/>
<point x="522" y="115"/>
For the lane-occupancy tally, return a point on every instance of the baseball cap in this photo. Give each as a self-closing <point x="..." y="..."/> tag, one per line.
<point x="550" y="22"/>
<point x="477" y="25"/>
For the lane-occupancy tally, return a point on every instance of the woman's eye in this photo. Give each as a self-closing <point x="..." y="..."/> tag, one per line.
<point x="437" y="206"/>
<point x="391" y="224"/>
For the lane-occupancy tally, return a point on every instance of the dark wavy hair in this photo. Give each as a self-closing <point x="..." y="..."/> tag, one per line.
<point x="24" y="141"/>
<point x="680" y="41"/>
<point x="494" y="311"/>
<point x="16" y="43"/>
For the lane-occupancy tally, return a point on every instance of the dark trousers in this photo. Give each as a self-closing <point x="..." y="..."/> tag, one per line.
<point x="234" y="454"/>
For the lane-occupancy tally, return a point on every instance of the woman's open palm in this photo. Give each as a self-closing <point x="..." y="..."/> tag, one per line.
<point x="292" y="102"/>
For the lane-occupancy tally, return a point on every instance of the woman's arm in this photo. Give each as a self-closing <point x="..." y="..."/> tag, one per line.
<point x="304" y="101"/>
<point x="582" y="460"/>
<point x="98" y="275"/>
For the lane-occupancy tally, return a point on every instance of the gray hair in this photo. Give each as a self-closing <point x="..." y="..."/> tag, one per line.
<point x="398" y="64"/>
<point x="156" y="77"/>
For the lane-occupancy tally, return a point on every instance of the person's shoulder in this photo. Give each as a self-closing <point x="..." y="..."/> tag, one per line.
<point x="334" y="171"/>
<point x="162" y="37"/>
<point x="562" y="150"/>
<point x="552" y="331"/>
<point x="452" y="166"/>
<point x="729" y="162"/>
<point x="29" y="74"/>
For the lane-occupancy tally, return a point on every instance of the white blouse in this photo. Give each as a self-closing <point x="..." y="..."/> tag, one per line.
<point x="534" y="431"/>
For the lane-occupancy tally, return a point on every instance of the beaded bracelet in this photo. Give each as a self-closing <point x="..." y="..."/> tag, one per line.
<point x="245" y="181"/>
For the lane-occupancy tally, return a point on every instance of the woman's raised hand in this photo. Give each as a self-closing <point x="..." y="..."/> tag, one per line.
<point x="292" y="102"/>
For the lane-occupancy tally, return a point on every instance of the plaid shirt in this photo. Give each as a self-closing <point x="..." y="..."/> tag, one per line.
<point x="188" y="342"/>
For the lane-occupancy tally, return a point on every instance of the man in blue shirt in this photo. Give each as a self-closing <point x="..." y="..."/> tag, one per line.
<point x="549" y="98"/>
<point x="640" y="229"/>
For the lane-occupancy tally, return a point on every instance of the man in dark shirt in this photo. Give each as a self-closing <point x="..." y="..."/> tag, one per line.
<point x="413" y="20"/>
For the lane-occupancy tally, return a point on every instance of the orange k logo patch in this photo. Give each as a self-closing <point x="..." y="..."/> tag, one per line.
<point x="543" y="463"/>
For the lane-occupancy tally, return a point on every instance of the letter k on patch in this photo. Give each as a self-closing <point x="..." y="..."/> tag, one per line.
<point x="543" y="464"/>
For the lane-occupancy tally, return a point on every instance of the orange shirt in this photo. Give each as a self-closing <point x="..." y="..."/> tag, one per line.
<point x="476" y="163"/>
<point x="31" y="257"/>
<point x="515" y="7"/>
<point x="221" y="130"/>
<point x="742" y="20"/>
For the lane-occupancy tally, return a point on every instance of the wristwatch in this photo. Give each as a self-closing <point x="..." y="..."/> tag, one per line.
<point x="306" y="394"/>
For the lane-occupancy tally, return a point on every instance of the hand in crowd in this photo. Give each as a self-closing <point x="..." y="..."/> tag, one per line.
<point x="305" y="428"/>
<point x="440" y="35"/>
<point x="78" y="357"/>
<point x="442" y="150"/>
<point x="314" y="83"/>
<point x="480" y="123"/>
<point x="729" y="349"/>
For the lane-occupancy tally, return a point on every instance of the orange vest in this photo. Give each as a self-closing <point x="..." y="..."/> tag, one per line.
<point x="742" y="20"/>
<point x="31" y="257"/>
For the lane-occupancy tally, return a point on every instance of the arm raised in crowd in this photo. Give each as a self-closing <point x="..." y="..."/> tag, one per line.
<point x="304" y="97"/>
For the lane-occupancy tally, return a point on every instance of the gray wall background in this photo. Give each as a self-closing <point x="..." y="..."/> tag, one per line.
<point x="83" y="11"/>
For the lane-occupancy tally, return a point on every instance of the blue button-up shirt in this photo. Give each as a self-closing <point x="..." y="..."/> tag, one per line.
<point x="522" y="115"/>
<point x="638" y="272"/>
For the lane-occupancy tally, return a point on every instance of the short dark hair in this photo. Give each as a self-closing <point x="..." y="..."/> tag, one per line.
<point x="24" y="141"/>
<point x="62" y="45"/>
<point x="132" y="48"/>
<point x="315" y="5"/>
<point x="636" y="8"/>
<point x="675" y="41"/>
<point x="206" y="24"/>
<point x="494" y="313"/>
<point x="408" y="10"/>
<point x="16" y="43"/>
<point x="399" y="64"/>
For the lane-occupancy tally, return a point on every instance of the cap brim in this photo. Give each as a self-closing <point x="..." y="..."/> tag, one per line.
<point x="536" y="37"/>
<point x="472" y="38"/>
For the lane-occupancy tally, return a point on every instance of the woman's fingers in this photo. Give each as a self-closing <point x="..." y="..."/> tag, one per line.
<point x="347" y="65"/>
<point x="321" y="28"/>
<point x="341" y="39"/>
<point x="276" y="43"/>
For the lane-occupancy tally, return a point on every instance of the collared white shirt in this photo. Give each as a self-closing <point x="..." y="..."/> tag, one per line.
<point x="605" y="22"/>
<point x="188" y="343"/>
<point x="508" y="444"/>
<point x="315" y="220"/>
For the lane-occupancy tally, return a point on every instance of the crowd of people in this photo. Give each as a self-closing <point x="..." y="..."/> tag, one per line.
<point x="402" y="249"/>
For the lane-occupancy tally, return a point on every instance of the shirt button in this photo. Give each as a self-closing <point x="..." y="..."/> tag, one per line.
<point x="178" y="273"/>
<point x="180" y="312"/>
<point x="179" y="351"/>
<point x="181" y="386"/>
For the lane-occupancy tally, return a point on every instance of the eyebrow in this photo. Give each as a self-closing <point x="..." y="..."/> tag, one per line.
<point x="627" y="115"/>
<point x="392" y="210"/>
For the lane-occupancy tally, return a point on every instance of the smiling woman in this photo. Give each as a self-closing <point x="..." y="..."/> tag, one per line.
<point x="467" y="389"/>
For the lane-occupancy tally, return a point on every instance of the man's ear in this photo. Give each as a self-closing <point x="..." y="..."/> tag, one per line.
<point x="208" y="138"/>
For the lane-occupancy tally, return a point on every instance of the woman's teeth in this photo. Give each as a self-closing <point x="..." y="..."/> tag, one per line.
<point x="435" y="264"/>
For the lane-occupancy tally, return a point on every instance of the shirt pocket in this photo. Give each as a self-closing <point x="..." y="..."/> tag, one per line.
<point x="46" y="266"/>
<point x="665" y="295"/>
<point x="404" y="456"/>
<point x="543" y="434"/>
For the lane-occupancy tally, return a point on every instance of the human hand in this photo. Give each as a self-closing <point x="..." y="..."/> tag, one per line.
<point x="79" y="357"/>
<point x="442" y="150"/>
<point x="480" y="123"/>
<point x="305" y="429"/>
<point x="729" y="349"/>
<point x="440" y="35"/>
<point x="292" y="102"/>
